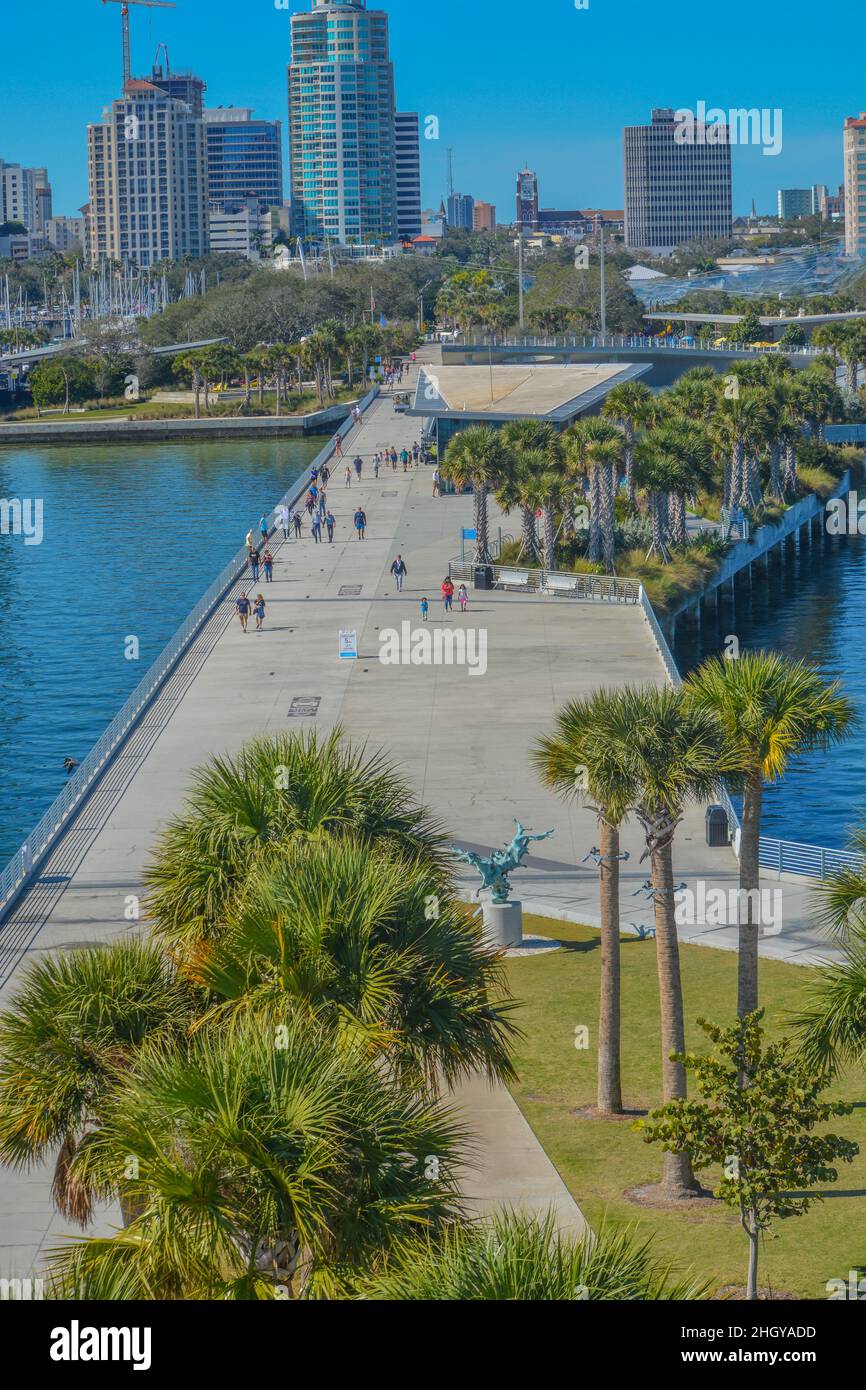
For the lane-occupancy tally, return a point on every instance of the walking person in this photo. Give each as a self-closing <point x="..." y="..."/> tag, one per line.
<point x="297" y="522"/>
<point x="255" y="558"/>
<point x="436" y="492"/>
<point x="263" y="527"/>
<point x="283" y="518"/>
<point x="404" y="458"/>
<point x="325" y="475"/>
<point x="360" y="522"/>
<point x="243" y="606"/>
<point x="268" y="566"/>
<point x="425" y="609"/>
<point x="375" y="465"/>
<point x="316" y="528"/>
<point x="448" y="593"/>
<point x="359" y="464"/>
<point x="330" y="522"/>
<point x="462" y="598"/>
<point x="309" y="504"/>
<point x="415" y="452"/>
<point x="259" y="611"/>
<point x="338" y="446"/>
<point x="393" y="458"/>
<point x="399" y="571"/>
<point x="250" y="540"/>
<point x="348" y="476"/>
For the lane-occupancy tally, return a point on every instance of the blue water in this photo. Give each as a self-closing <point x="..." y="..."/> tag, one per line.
<point x="133" y="536"/>
<point x="814" y="607"/>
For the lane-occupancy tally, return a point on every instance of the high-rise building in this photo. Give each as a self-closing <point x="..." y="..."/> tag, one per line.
<point x="25" y="196"/>
<point x="800" y="202"/>
<point x="460" y="206"/>
<point x="854" y="146"/>
<point x="408" y="175"/>
<point x="147" y="170"/>
<point x="244" y="159"/>
<point x="484" y="217"/>
<point x="677" y="183"/>
<point x="527" y="200"/>
<point x="342" y="120"/>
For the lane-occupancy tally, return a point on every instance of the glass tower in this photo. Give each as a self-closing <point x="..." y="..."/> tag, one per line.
<point x="342" y="149"/>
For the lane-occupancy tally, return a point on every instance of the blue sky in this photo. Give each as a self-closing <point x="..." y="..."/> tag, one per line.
<point x="510" y="82"/>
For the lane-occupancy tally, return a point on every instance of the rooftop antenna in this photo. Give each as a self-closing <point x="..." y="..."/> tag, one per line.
<point x="124" y="25"/>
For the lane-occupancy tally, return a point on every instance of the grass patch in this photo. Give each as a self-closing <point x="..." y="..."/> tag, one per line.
<point x="599" y="1159"/>
<point x="295" y="405"/>
<point x="667" y="586"/>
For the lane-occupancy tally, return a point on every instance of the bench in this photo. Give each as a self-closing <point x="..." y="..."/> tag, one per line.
<point x="561" y="584"/>
<point x="514" y="579"/>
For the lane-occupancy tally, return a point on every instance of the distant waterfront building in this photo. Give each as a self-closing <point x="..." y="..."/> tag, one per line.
<point x="527" y="200"/>
<point x="342" y="124"/>
<point x="241" y="229"/>
<point x="800" y="202"/>
<point x="854" y="146"/>
<point x="62" y="233"/>
<point x="408" y="163"/>
<point x="579" y="222"/>
<point x="244" y="159"/>
<point x="147" y="173"/>
<point x="484" y="217"/>
<point x="25" y="196"/>
<point x="675" y="190"/>
<point x="460" y="208"/>
<point x="833" y="206"/>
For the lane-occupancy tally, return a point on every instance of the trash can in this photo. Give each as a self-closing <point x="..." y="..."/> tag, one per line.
<point x="716" y="825"/>
<point x="483" y="577"/>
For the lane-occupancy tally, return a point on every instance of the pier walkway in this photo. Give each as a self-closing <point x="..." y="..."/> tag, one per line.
<point x="461" y="740"/>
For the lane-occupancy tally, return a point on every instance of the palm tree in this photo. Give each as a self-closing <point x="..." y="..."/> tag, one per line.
<point x="671" y="753"/>
<point x="352" y="935"/>
<point x="575" y="761"/>
<point x="543" y="483"/>
<point x="588" y="455"/>
<point x="516" y="488"/>
<point x="243" y="810"/>
<point x="262" y="1157"/>
<point x="686" y="450"/>
<point x="817" y="398"/>
<point x="476" y="456"/>
<point x="518" y="485"/>
<point x="632" y="405"/>
<point x="191" y="363"/>
<point x="75" y="1026"/>
<point x="659" y="474"/>
<point x="770" y="709"/>
<point x="514" y="1256"/>
<point x="743" y="423"/>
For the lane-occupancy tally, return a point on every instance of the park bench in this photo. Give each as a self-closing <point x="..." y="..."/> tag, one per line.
<point x="561" y="584"/>
<point x="513" y="579"/>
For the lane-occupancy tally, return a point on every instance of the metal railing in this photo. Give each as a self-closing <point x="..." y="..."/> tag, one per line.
<point x="22" y="867"/>
<point x="617" y="341"/>
<point x="589" y="587"/>
<point x="813" y="861"/>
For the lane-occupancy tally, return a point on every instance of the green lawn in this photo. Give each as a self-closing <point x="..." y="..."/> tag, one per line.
<point x="599" y="1160"/>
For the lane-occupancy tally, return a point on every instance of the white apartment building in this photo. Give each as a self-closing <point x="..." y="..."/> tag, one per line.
<point x="854" y="147"/>
<point x="25" y="196"/>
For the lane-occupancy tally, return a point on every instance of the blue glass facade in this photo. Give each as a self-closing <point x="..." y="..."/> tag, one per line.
<point x="244" y="161"/>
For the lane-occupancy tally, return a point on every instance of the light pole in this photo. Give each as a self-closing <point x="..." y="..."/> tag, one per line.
<point x="603" y="298"/>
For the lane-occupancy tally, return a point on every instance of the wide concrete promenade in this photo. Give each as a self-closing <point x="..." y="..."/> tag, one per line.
<point x="462" y="740"/>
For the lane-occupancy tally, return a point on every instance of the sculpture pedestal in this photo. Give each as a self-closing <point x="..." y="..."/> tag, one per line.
<point x="503" y="924"/>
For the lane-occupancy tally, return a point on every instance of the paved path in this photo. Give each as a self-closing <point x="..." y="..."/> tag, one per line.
<point x="462" y="740"/>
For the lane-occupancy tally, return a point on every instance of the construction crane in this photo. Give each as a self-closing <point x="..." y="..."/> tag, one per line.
<point x="124" y="21"/>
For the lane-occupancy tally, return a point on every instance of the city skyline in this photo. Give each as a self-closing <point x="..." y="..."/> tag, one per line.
<point x="574" y="145"/>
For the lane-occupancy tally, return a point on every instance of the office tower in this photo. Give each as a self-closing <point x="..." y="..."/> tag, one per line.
<point x="800" y="202"/>
<point x="527" y="200"/>
<point x="460" y="207"/>
<point x="677" y="183"/>
<point x="244" y="159"/>
<point x="484" y="217"/>
<point x="408" y="176"/>
<point x="147" y="170"/>
<point x="342" y="138"/>
<point x="854" y="147"/>
<point x="25" y="196"/>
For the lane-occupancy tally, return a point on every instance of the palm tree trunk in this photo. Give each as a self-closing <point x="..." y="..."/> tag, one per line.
<point x="609" y="1091"/>
<point x="278" y="381"/>
<point x="628" y="427"/>
<point x="196" y="386"/>
<point x="678" y="531"/>
<point x="594" y="551"/>
<point x="750" y="879"/>
<point x="790" y="482"/>
<point x="528" y="544"/>
<point x="482" y="547"/>
<point x="678" y="1180"/>
<point x="261" y="386"/>
<point x="609" y="481"/>
<point x="549" y="536"/>
<point x="246" y="388"/>
<point x="775" y="483"/>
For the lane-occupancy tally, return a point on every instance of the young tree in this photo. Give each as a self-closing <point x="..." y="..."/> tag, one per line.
<point x="757" y="1120"/>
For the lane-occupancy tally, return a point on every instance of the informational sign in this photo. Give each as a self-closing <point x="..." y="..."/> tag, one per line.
<point x="349" y="644"/>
